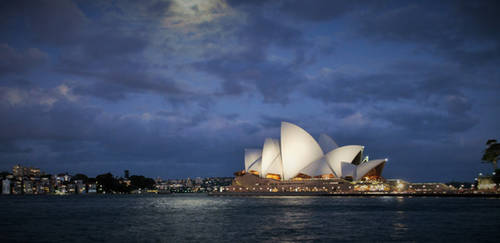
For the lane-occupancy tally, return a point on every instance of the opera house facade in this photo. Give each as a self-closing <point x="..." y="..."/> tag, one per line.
<point x="298" y="156"/>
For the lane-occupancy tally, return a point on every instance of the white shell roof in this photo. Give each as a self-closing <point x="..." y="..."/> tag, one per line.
<point x="276" y="166"/>
<point x="317" y="168"/>
<point x="298" y="149"/>
<point x="326" y="143"/>
<point x="270" y="152"/>
<point x="298" y="152"/>
<point x="364" y="168"/>
<point x="348" y="169"/>
<point x="251" y="155"/>
<point x="342" y="154"/>
<point x="256" y="166"/>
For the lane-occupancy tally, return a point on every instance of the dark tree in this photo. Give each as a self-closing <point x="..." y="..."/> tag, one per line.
<point x="82" y="177"/>
<point x="4" y="174"/>
<point x="141" y="182"/>
<point x="492" y="153"/>
<point x="496" y="176"/>
<point x="111" y="184"/>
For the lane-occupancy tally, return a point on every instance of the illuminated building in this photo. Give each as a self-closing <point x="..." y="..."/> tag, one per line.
<point x="28" y="187"/>
<point x="298" y="156"/>
<point x="20" y="171"/>
<point x="6" y="186"/>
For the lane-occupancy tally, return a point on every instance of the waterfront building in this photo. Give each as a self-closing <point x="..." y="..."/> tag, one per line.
<point x="486" y="183"/>
<point x="5" y="186"/>
<point x="17" y="187"/>
<point x="92" y="188"/>
<point x="46" y="185"/>
<point x="22" y="171"/>
<point x="79" y="186"/>
<point x="71" y="188"/>
<point x="298" y="156"/>
<point x="28" y="187"/>
<point x="429" y="188"/>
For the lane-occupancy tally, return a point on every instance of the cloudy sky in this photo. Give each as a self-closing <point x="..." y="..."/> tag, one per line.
<point x="180" y="88"/>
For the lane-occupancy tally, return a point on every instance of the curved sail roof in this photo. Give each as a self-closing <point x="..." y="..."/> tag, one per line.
<point x="270" y="152"/>
<point x="326" y="143"/>
<point x="348" y="169"/>
<point x="251" y="155"/>
<point x="256" y="166"/>
<point x="342" y="154"/>
<point x="298" y="149"/>
<point x="276" y="166"/>
<point x="317" y="168"/>
<point x="364" y="168"/>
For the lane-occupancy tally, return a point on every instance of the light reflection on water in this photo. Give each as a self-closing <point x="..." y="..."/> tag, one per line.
<point x="180" y="218"/>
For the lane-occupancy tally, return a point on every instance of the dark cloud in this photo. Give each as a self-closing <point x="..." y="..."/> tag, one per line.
<point x="376" y="87"/>
<point x="426" y="123"/>
<point x="116" y="85"/>
<point x="261" y="31"/>
<point x="52" y="22"/>
<point x="251" y="69"/>
<point x="242" y="73"/>
<point x="268" y="121"/>
<point x="321" y="10"/>
<point x="66" y="133"/>
<point x="14" y="61"/>
<point x="401" y="81"/>
<point x="12" y="148"/>
<point x="111" y="45"/>
<point x="462" y="31"/>
<point x="192" y="85"/>
<point x="158" y="8"/>
<point x="16" y="83"/>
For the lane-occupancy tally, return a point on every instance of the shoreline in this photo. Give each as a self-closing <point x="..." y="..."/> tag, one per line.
<point x="323" y="194"/>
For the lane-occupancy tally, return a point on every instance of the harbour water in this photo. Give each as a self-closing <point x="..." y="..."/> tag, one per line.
<point x="203" y="218"/>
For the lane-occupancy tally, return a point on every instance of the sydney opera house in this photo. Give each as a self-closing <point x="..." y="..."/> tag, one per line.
<point x="298" y="156"/>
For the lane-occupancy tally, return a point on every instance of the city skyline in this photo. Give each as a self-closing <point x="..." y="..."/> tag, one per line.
<point x="179" y="89"/>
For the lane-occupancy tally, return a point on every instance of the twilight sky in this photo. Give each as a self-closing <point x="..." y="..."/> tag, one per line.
<point x="179" y="88"/>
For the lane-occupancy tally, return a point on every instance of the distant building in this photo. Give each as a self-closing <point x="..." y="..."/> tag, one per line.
<point x="189" y="183"/>
<point x="6" y="186"/>
<point x="92" y="188"/>
<point x="486" y="183"/>
<point x="28" y="187"/>
<point x="80" y="187"/>
<point x="17" y="187"/>
<point x="126" y="174"/>
<point x="21" y="171"/>
<point x="34" y="172"/>
<point x="429" y="187"/>
<point x="63" y="177"/>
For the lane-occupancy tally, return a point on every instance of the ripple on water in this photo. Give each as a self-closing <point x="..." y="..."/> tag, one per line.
<point x="187" y="217"/>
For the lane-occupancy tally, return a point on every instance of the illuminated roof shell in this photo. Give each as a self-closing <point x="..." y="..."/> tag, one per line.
<point x="317" y="168"/>
<point x="364" y="168"/>
<point x="270" y="153"/>
<point x="256" y="166"/>
<point x="342" y="154"/>
<point x="276" y="166"/>
<point x="298" y="149"/>
<point x="251" y="155"/>
<point x="297" y="152"/>
<point x="326" y="143"/>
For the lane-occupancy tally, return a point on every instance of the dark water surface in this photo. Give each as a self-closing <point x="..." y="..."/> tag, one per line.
<point x="201" y="218"/>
